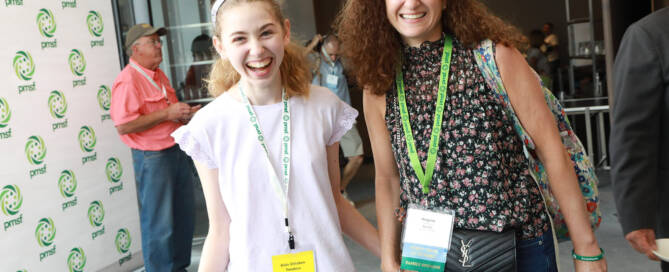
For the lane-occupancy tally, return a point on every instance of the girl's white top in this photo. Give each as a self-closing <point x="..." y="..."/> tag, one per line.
<point x="220" y="136"/>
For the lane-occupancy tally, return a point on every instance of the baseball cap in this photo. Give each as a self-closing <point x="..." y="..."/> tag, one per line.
<point x="140" y="30"/>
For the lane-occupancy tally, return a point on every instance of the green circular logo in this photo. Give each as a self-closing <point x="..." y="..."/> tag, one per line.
<point x="45" y="232"/>
<point x="104" y="97"/>
<point x="46" y="23"/>
<point x="76" y="260"/>
<point x="67" y="183"/>
<point x="122" y="241"/>
<point x="77" y="62"/>
<point x="5" y="113"/>
<point x="24" y="66"/>
<point x="57" y="104"/>
<point x="35" y="150"/>
<point x="11" y="200"/>
<point x="114" y="170"/>
<point x="87" y="139"/>
<point x="96" y="213"/>
<point x="95" y="23"/>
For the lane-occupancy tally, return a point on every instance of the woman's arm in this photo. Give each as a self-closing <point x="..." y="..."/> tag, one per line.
<point x="528" y="101"/>
<point x="387" y="180"/>
<point x="215" y="254"/>
<point x="352" y="222"/>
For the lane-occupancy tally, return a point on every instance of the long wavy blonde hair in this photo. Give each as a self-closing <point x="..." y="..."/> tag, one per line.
<point x="295" y="73"/>
<point x="372" y="45"/>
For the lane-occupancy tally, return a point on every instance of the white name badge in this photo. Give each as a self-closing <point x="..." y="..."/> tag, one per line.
<point x="426" y="239"/>
<point x="332" y="80"/>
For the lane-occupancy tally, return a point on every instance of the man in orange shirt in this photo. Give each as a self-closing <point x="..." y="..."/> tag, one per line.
<point x="145" y="111"/>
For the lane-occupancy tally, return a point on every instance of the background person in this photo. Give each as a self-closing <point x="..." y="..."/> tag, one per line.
<point x="330" y="73"/>
<point x="480" y="171"/>
<point x="551" y="49"/>
<point x="202" y="51"/>
<point x="145" y="111"/>
<point x="537" y="60"/>
<point x="639" y="133"/>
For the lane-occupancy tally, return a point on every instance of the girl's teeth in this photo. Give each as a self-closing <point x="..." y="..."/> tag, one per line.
<point x="259" y="64"/>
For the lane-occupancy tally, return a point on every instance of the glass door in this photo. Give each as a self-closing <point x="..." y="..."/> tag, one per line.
<point x="187" y="49"/>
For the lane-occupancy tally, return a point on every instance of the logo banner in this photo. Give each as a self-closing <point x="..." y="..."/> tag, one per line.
<point x="67" y="189"/>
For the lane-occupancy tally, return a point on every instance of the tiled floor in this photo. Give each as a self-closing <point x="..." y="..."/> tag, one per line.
<point x="620" y="256"/>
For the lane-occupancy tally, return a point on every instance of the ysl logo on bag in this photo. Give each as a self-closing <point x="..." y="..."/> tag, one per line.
<point x="465" y="253"/>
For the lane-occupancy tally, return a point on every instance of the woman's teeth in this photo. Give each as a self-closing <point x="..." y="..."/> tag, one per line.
<point x="412" y="16"/>
<point x="259" y="64"/>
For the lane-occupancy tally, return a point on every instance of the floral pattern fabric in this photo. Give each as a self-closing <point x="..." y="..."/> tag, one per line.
<point x="481" y="172"/>
<point x="585" y="170"/>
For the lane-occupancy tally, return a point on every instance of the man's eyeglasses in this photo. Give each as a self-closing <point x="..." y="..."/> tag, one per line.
<point x="154" y="42"/>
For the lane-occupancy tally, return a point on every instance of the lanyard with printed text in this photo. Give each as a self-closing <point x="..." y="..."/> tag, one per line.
<point x="284" y="158"/>
<point x="425" y="178"/>
<point x="151" y="81"/>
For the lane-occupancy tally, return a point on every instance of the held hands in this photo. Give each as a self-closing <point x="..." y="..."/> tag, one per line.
<point x="643" y="240"/>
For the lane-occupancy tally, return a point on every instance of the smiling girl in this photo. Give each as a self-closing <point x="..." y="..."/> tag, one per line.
<point x="266" y="150"/>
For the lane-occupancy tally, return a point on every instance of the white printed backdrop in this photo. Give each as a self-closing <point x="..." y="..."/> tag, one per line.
<point x="67" y="192"/>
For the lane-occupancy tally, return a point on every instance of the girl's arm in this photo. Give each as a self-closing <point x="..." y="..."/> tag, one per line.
<point x="352" y="222"/>
<point x="215" y="255"/>
<point x="528" y="101"/>
<point x="387" y="182"/>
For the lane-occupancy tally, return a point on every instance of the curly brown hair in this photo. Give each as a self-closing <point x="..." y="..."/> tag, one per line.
<point x="295" y="72"/>
<point x="372" y="45"/>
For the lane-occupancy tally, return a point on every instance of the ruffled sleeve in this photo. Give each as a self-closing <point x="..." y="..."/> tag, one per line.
<point x="344" y="120"/>
<point x="194" y="141"/>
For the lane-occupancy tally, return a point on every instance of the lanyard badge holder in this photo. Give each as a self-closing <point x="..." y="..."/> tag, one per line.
<point x="427" y="232"/>
<point x="300" y="261"/>
<point x="151" y="81"/>
<point x="331" y="79"/>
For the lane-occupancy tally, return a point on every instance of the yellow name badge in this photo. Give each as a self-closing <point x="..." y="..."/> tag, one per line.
<point x="295" y="262"/>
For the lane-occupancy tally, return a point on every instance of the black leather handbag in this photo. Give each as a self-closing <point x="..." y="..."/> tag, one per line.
<point x="482" y="251"/>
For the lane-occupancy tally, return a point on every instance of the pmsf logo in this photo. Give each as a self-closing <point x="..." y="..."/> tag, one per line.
<point x="35" y="150"/>
<point x="67" y="185"/>
<point x="123" y="242"/>
<point x="76" y="260"/>
<point x="24" y="68"/>
<point x="58" y="109"/>
<point x="11" y="201"/>
<point x="104" y="100"/>
<point x="45" y="233"/>
<point x="77" y="64"/>
<point x="114" y="172"/>
<point x="5" y="117"/>
<point x="96" y="216"/>
<point x="13" y="3"/>
<point x="46" y="24"/>
<point x="95" y="27"/>
<point x="87" y="141"/>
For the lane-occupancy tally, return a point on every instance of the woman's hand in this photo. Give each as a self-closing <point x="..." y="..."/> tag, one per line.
<point x="590" y="266"/>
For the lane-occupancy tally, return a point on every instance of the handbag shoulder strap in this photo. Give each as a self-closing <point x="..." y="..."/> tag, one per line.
<point x="484" y="54"/>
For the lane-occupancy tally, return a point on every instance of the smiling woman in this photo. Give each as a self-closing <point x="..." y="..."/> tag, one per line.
<point x="367" y="25"/>
<point x="440" y="79"/>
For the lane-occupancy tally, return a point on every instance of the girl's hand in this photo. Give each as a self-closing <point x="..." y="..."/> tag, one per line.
<point x="582" y="266"/>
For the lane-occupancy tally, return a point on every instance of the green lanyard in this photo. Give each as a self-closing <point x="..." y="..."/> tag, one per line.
<point x="285" y="155"/>
<point x="425" y="178"/>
